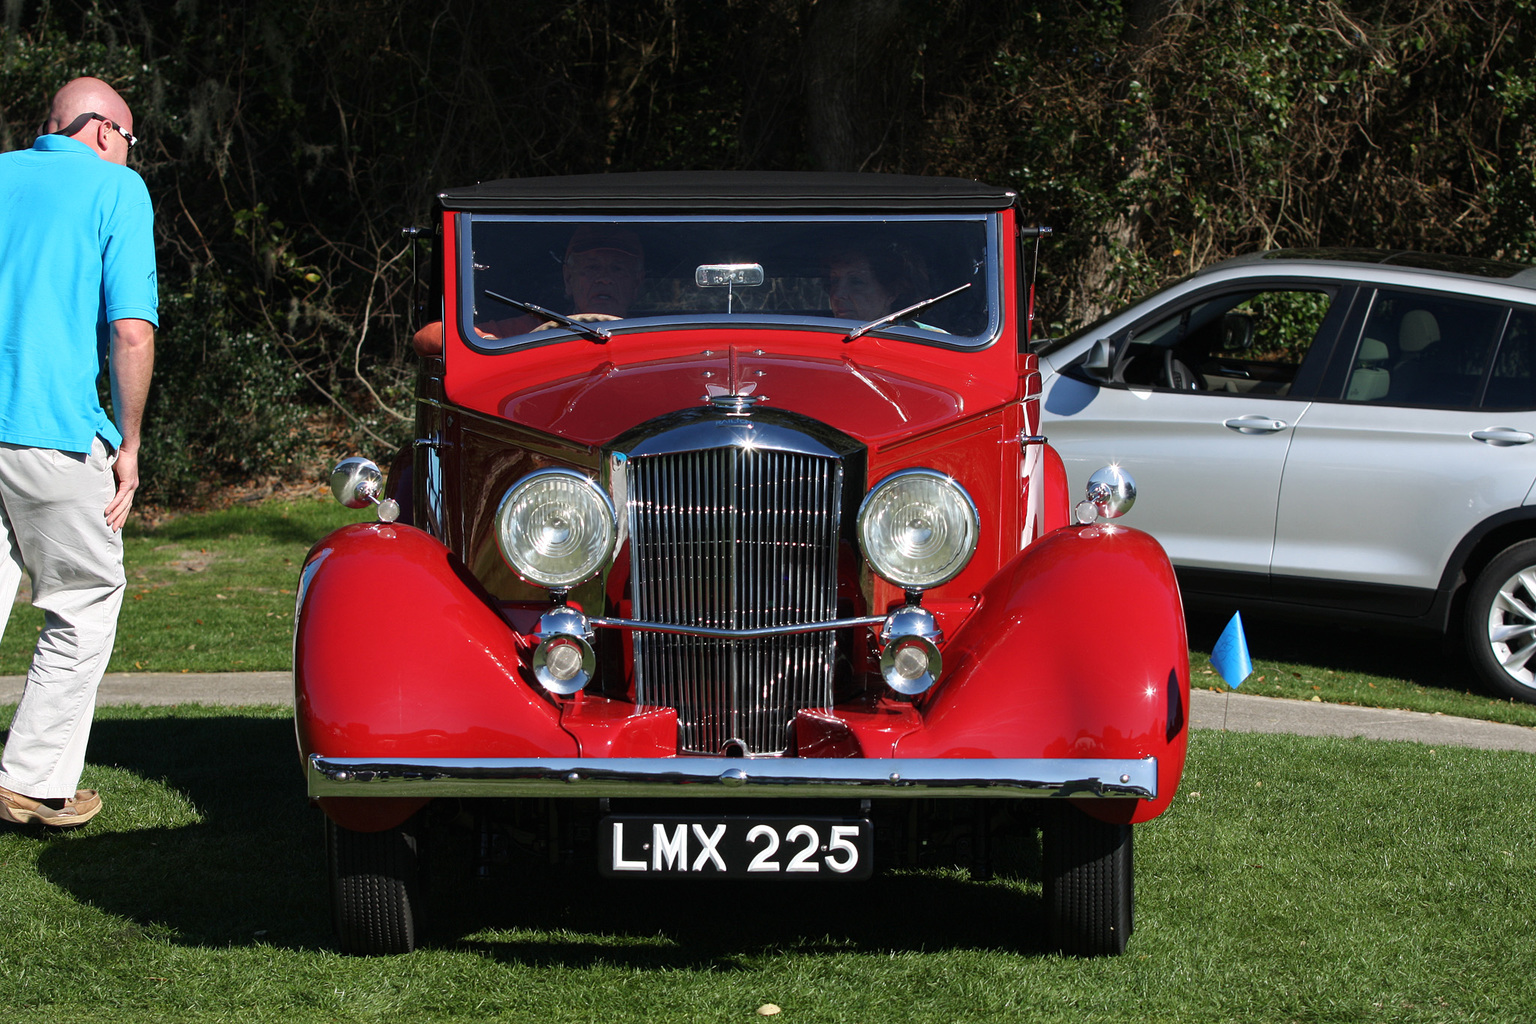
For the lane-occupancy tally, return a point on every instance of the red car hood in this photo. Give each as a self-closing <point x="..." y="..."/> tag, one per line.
<point x="913" y="390"/>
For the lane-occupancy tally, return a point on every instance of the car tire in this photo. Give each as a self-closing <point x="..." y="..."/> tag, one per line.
<point x="1500" y="623"/>
<point x="1088" y="870"/>
<point x="375" y="889"/>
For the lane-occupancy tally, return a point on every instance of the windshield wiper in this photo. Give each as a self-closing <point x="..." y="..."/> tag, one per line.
<point x="597" y="334"/>
<point x="890" y="318"/>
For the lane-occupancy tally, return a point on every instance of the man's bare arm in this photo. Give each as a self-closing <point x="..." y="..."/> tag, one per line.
<point x="132" y="362"/>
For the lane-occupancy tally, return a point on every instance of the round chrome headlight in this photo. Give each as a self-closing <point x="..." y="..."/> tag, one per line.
<point x="556" y="527"/>
<point x="918" y="528"/>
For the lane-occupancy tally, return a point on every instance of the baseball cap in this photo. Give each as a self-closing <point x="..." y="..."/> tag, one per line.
<point x="595" y="237"/>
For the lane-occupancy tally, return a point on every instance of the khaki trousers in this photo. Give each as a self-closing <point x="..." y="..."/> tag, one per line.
<point x="53" y="526"/>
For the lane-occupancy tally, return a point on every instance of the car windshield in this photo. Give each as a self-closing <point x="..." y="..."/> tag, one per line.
<point x="533" y="276"/>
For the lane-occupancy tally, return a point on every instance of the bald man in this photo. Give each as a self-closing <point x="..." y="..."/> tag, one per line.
<point x="78" y="296"/>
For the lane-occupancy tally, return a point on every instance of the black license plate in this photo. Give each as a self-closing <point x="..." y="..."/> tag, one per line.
<point x="731" y="846"/>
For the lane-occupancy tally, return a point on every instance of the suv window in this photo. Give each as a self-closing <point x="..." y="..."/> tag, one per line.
<point x="1512" y="384"/>
<point x="1247" y="342"/>
<point x="1428" y="350"/>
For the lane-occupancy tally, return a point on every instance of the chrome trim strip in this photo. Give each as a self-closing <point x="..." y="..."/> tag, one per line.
<point x="731" y="777"/>
<point x="739" y="634"/>
<point x="706" y="434"/>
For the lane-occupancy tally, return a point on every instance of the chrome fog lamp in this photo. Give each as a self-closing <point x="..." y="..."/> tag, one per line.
<point x="1111" y="493"/>
<point x="918" y="528"/>
<point x="910" y="661"/>
<point x="356" y="482"/>
<point x="556" y="528"/>
<point x="564" y="661"/>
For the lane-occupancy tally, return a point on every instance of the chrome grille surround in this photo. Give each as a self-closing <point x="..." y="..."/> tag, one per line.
<point x="740" y="533"/>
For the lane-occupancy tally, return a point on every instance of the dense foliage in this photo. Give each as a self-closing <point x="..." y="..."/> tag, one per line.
<point x="287" y="142"/>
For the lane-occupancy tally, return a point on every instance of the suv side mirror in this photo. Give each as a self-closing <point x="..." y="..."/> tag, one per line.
<point x="1097" y="363"/>
<point x="1236" y="332"/>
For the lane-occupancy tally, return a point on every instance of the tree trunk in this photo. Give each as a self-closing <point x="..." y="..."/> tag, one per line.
<point x="853" y="79"/>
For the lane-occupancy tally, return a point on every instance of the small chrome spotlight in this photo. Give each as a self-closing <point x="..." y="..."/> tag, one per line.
<point x="564" y="661"/>
<point x="357" y="482"/>
<point x="1111" y="493"/>
<point x="910" y="661"/>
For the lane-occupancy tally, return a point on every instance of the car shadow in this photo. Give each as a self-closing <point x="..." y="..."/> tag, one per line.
<point x="576" y="919"/>
<point x="1423" y="659"/>
<point x="248" y="870"/>
<point x="251" y="871"/>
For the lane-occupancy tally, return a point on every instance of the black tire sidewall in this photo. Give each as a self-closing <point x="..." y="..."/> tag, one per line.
<point x="1480" y="598"/>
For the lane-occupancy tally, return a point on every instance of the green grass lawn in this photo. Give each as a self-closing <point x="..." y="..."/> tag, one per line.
<point x="206" y="593"/>
<point x="1294" y="879"/>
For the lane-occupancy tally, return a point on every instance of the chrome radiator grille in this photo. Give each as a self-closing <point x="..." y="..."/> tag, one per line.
<point x="734" y="538"/>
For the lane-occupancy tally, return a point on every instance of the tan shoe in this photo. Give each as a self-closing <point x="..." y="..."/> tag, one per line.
<point x="23" y="810"/>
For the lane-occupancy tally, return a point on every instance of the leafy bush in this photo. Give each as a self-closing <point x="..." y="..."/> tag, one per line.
<point x="226" y="403"/>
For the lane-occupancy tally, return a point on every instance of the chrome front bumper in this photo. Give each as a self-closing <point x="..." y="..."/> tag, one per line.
<point x="732" y="777"/>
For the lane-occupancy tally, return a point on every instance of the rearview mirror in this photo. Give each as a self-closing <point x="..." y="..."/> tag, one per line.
<point x="729" y="276"/>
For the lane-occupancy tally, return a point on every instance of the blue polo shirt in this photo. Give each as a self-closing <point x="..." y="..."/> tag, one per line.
<point x="77" y="251"/>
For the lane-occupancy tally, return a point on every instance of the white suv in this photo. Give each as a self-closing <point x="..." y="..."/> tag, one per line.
<point x="1345" y="432"/>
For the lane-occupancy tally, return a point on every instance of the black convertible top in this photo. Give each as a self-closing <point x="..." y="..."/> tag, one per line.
<point x="713" y="191"/>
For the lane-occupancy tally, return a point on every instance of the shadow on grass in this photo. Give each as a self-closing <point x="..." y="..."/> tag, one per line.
<point x="302" y="523"/>
<point x="1424" y="659"/>
<point x="251" y="872"/>
<point x="572" y="920"/>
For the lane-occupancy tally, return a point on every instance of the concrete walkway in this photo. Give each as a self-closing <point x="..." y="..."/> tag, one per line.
<point x="1238" y="712"/>
<point x="1235" y="712"/>
<point x="180" y="688"/>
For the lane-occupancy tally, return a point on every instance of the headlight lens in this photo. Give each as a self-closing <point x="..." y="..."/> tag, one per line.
<point x="556" y="527"/>
<point x="918" y="528"/>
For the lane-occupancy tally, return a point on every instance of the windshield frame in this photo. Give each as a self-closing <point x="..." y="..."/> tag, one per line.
<point x="468" y="287"/>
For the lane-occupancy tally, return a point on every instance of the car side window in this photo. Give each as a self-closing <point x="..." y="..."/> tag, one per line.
<point x="1429" y="350"/>
<point x="1246" y="342"/>
<point x="1512" y="382"/>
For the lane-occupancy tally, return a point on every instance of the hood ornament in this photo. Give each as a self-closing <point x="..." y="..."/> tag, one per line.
<point x="736" y="403"/>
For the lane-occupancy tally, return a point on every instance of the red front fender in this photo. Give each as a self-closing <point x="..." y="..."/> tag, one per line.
<point x="397" y="653"/>
<point x="1077" y="649"/>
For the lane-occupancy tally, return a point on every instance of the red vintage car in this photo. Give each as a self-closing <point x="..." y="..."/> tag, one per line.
<point x="728" y="547"/>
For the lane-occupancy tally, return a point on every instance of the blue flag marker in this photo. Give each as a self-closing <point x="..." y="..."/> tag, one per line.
<point x="1230" y="655"/>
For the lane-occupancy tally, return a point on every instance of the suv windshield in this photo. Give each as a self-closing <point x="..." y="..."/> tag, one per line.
<point x="842" y="273"/>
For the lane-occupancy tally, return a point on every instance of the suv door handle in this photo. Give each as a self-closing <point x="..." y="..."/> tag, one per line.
<point x="1254" y="424"/>
<point x="1503" y="437"/>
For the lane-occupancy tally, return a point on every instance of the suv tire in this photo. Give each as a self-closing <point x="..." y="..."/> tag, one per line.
<point x="1500" y="624"/>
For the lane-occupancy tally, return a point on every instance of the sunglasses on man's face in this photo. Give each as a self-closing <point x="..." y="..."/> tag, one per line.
<point x="81" y="121"/>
